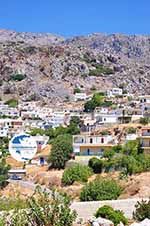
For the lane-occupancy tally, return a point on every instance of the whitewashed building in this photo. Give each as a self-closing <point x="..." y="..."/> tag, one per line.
<point x="114" y="92"/>
<point x="91" y="145"/>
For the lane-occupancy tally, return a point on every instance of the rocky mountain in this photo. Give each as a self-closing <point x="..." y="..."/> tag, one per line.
<point x="48" y="67"/>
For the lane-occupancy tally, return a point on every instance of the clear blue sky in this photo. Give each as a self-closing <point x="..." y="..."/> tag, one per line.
<point x="76" y="17"/>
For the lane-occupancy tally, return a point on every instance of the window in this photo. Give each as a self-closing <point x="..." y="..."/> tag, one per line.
<point x="102" y="140"/>
<point x="91" y="140"/>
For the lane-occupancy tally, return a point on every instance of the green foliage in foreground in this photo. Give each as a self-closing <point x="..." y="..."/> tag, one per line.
<point x="44" y="209"/>
<point x="7" y="204"/>
<point x="142" y="210"/>
<point x="100" y="189"/>
<point x="116" y="216"/>
<point x="79" y="173"/>
<point x="61" y="151"/>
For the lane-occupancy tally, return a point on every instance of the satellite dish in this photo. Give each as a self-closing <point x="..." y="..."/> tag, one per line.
<point x="22" y="147"/>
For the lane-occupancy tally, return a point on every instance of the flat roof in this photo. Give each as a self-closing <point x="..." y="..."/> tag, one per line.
<point x="23" y="171"/>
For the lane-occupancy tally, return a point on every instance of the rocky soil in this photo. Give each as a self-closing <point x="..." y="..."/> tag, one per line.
<point x="53" y="66"/>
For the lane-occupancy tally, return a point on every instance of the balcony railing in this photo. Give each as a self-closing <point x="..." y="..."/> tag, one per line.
<point x="145" y="133"/>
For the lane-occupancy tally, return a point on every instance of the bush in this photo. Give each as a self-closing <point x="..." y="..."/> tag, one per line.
<point x="61" y="151"/>
<point x="77" y="90"/>
<point x="12" y="103"/>
<point x="131" y="130"/>
<point x="100" y="189"/>
<point x="3" y="172"/>
<point x="108" y="154"/>
<point x="142" y="210"/>
<point x="116" y="216"/>
<point x="105" y="132"/>
<point x="43" y="209"/>
<point x="18" y="77"/>
<point x="100" y="69"/>
<point x="144" y="121"/>
<point x="96" y="165"/>
<point x="77" y="172"/>
<point x="8" y="204"/>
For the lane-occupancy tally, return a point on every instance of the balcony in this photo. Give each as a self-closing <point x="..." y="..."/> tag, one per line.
<point x="145" y="133"/>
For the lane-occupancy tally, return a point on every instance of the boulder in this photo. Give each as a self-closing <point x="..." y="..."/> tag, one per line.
<point x="101" y="222"/>
<point x="145" y="222"/>
<point x="120" y="224"/>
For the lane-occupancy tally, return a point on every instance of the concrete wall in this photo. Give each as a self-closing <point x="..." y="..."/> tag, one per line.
<point x="85" y="210"/>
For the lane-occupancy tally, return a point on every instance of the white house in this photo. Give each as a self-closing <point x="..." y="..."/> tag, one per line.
<point x="91" y="145"/>
<point x="114" y="92"/>
<point x="10" y="127"/>
<point x="145" y="99"/>
<point x="80" y="96"/>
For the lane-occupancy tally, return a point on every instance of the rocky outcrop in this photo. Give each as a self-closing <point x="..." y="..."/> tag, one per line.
<point x="53" y="66"/>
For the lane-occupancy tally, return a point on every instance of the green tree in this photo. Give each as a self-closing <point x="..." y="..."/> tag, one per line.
<point x="131" y="148"/>
<point x="89" y="106"/>
<point x="73" y="129"/>
<point x="37" y="131"/>
<point x="3" y="172"/>
<point x="75" y="120"/>
<point x="109" y="154"/>
<point x="61" y="151"/>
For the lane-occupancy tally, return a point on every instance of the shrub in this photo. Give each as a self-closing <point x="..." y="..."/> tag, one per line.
<point x="61" y="151"/>
<point x="100" y="189"/>
<point x="8" y="204"/>
<point x="109" y="154"/>
<point x="142" y="210"/>
<point x="96" y="165"/>
<point x="43" y="209"/>
<point x="12" y="103"/>
<point x="131" y="130"/>
<point x="144" y="121"/>
<point x="100" y="69"/>
<point x="105" y="132"/>
<point x="3" y="172"/>
<point x="76" y="173"/>
<point x="76" y="90"/>
<point x="107" y="212"/>
<point x="18" y="77"/>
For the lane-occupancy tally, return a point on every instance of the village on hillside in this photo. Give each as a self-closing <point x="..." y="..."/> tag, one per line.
<point x="101" y="139"/>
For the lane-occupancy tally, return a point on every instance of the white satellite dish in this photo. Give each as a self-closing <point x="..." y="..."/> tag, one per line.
<point x="22" y="147"/>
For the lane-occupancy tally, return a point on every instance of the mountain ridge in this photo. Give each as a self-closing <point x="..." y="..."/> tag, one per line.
<point x="54" y="66"/>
